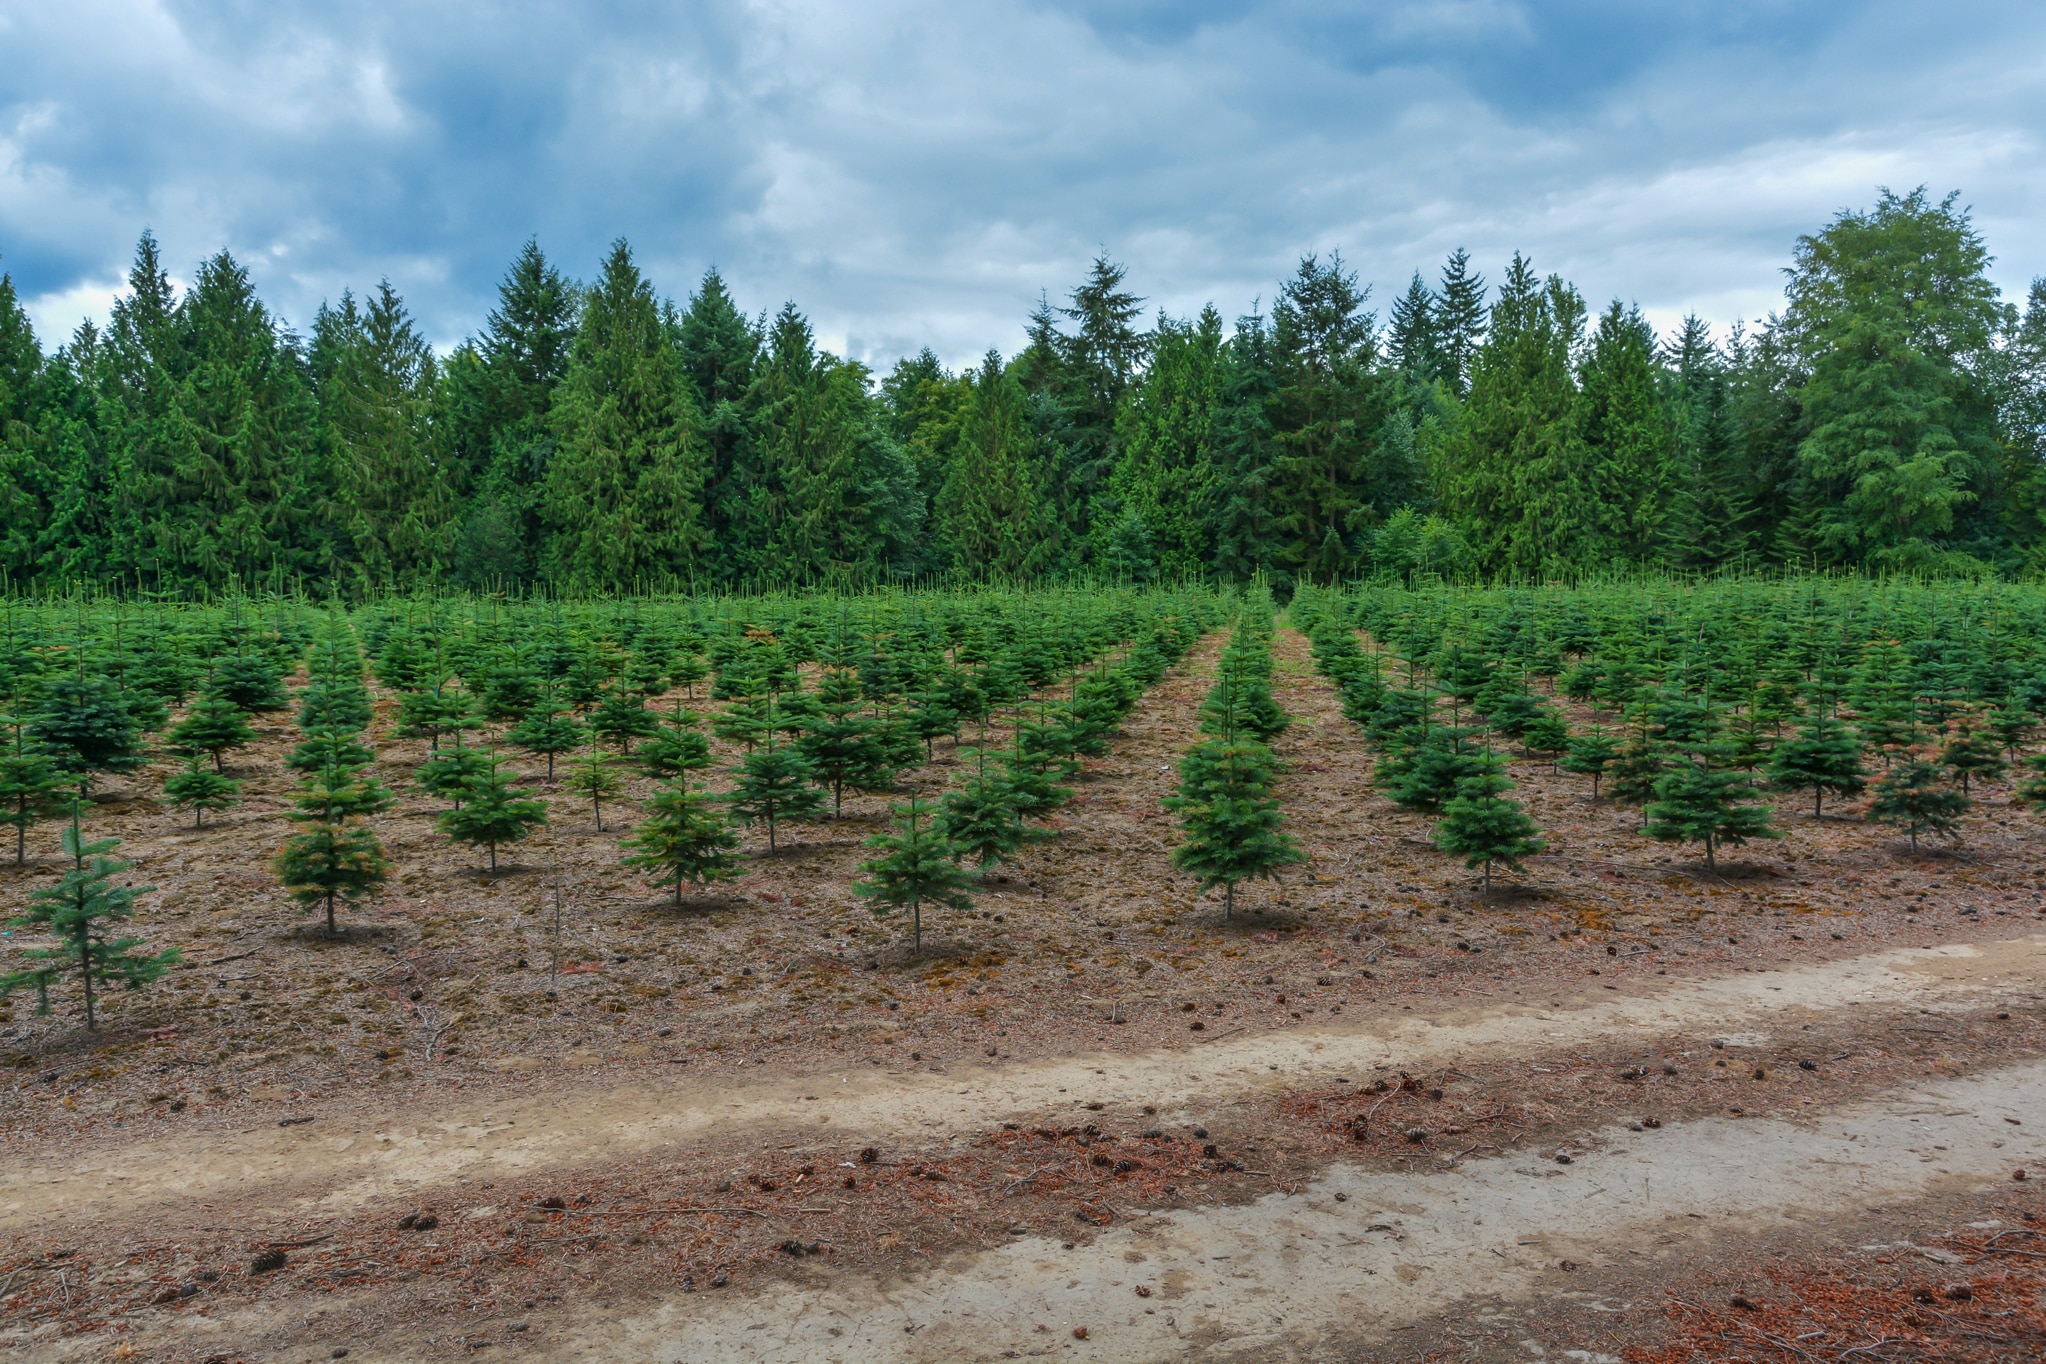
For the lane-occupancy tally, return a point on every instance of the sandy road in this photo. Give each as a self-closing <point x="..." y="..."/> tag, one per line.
<point x="322" y="1168"/>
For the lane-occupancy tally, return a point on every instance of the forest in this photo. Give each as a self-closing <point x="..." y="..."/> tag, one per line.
<point x="599" y="437"/>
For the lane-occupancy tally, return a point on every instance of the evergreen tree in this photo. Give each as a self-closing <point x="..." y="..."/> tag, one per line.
<point x="982" y="818"/>
<point x="430" y="714"/>
<point x="1628" y="435"/>
<point x="547" y="731"/>
<point x="1695" y="804"/>
<point x="1914" y="796"/>
<point x="1459" y="321"/>
<point x="684" y="838"/>
<point x="623" y="495"/>
<point x="1232" y="827"/>
<point x="449" y="773"/>
<point x="1825" y="756"/>
<point x="1636" y="770"/>
<point x="249" y="681"/>
<point x="1481" y="826"/>
<point x="913" y="865"/>
<point x="678" y="749"/>
<point x="622" y="715"/>
<point x="1971" y="752"/>
<point x="1411" y="343"/>
<point x="329" y="748"/>
<point x="1325" y="414"/>
<point x="594" y="776"/>
<point x="79" y="912"/>
<point x="841" y="744"/>
<point x="774" y="784"/>
<point x="993" y="509"/>
<point x="212" y="726"/>
<point x="492" y="814"/>
<point x="1242" y="520"/>
<point x="32" y="788"/>
<point x="86" y="727"/>
<point x="198" y="790"/>
<point x="1165" y="471"/>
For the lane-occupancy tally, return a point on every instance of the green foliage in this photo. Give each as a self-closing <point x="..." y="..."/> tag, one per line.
<point x="844" y="746"/>
<point x="1482" y="827"/>
<point x="326" y="861"/>
<point x="1695" y="804"/>
<point x="80" y="912"/>
<point x="912" y="866"/>
<point x="623" y="716"/>
<point x="491" y="813"/>
<point x="547" y="732"/>
<point x="247" y="681"/>
<point x="213" y="725"/>
<point x="595" y="776"/>
<point x="448" y="773"/>
<point x="1825" y="756"/>
<point x="1970" y="751"/>
<point x="32" y="788"/>
<point x="1914" y="796"/>
<point x="684" y="837"/>
<point x="326" y="749"/>
<point x="983" y="818"/>
<point x="195" y="789"/>
<point x="85" y="727"/>
<point x="775" y="784"/>
<point x="676" y="749"/>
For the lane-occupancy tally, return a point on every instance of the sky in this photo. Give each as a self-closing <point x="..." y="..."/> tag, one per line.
<point x="916" y="173"/>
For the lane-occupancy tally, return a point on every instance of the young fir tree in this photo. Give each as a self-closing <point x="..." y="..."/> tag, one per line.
<point x="334" y="854"/>
<point x="1232" y="826"/>
<point x="85" y="727"/>
<point x="80" y="912"/>
<point x="623" y="716"/>
<point x="678" y="749"/>
<point x="1696" y="804"/>
<point x="198" y="790"/>
<point x="247" y="681"/>
<point x="430" y="714"/>
<point x="493" y="813"/>
<point x="594" y="776"/>
<point x="1547" y="733"/>
<point x="32" y="788"/>
<point x="1972" y="751"/>
<point x="213" y="725"/>
<point x="1636" y="769"/>
<point x="915" y="864"/>
<point x="546" y="732"/>
<point x="1914" y="796"/>
<point x="2031" y="789"/>
<point x="841" y="742"/>
<point x="1482" y="827"/>
<point x="685" y="838"/>
<point x="775" y="783"/>
<point x="1589" y="755"/>
<point x="448" y="773"/>
<point x="325" y="748"/>
<point x="1825" y="756"/>
<point x="983" y="819"/>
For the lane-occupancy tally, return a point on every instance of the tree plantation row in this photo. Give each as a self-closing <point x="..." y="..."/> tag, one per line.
<point x="817" y="696"/>
<point x="598" y="436"/>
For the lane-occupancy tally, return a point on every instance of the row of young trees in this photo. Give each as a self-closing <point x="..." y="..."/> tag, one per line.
<point x="1893" y="416"/>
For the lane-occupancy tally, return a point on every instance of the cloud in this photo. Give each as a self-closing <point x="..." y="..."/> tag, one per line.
<point x="916" y="173"/>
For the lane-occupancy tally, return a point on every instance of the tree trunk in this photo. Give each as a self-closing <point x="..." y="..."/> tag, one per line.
<point x="1708" y="854"/>
<point x="1818" y="799"/>
<point x="916" y="911"/>
<point x="770" y="832"/>
<point x="598" y="806"/>
<point x="1488" y="880"/>
<point x="330" y="914"/>
<point x="85" y="969"/>
<point x="493" y="857"/>
<point x="1228" y="899"/>
<point x="218" y="770"/>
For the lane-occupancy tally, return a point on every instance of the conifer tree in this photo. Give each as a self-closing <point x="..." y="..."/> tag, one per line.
<point x="1914" y="796"/>
<point x="198" y="790"/>
<point x="774" y="784"/>
<point x="622" y="715"/>
<point x="213" y="725"/>
<point x="80" y="912"/>
<point x="32" y="788"/>
<point x="982" y="818"/>
<point x="678" y="749"/>
<point x="1232" y="827"/>
<point x="329" y="859"/>
<point x="1696" y="804"/>
<point x="329" y="748"/>
<point x="913" y="865"/>
<point x="442" y="710"/>
<point x="594" y="776"/>
<point x="843" y="745"/>
<point x="85" y="727"/>
<point x="492" y="814"/>
<point x="547" y="731"/>
<point x="1825" y="756"/>
<point x="1971" y="751"/>
<point x="1635" y="770"/>
<point x="1459" y="322"/>
<point x="248" y="681"/>
<point x="1481" y="826"/>
<point x="448" y="773"/>
<point x="685" y="838"/>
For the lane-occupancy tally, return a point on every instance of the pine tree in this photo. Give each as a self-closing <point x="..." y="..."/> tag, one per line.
<point x="913" y="865"/>
<point x="678" y="749"/>
<point x="79" y="912"/>
<point x="85" y="727"/>
<point x="492" y="814"/>
<point x="1411" y="342"/>
<point x="685" y="838"/>
<point x="248" y="681"/>
<point x="1695" y="804"/>
<point x="594" y="776"/>
<point x="1481" y="826"/>
<point x="1914" y="796"/>
<point x="1629" y="437"/>
<point x="430" y="714"/>
<point x="1972" y="752"/>
<point x="623" y="716"/>
<point x="448" y="773"/>
<point x="1547" y="733"/>
<point x="32" y="788"/>
<point x="1825" y="756"/>
<point x="982" y="818"/>
<point x="1635" y="770"/>
<point x="1232" y="827"/>
<point x="1459" y="322"/>
<point x="324" y="861"/>
<point x="843" y="745"/>
<point x="213" y="725"/>
<point x="773" y="784"/>
<point x="547" y="731"/>
<point x="329" y="748"/>
<point x="198" y="790"/>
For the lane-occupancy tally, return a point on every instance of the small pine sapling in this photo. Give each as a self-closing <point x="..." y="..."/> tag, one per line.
<point x="545" y="732"/>
<point x="329" y="748"/>
<point x="1696" y="804"/>
<point x="325" y="861"/>
<point x="198" y="790"/>
<point x="594" y="776"/>
<point x="685" y="837"/>
<point x="1232" y="827"/>
<point x="448" y="773"/>
<point x="623" y="716"/>
<point x="1482" y="827"/>
<point x="1971" y="751"/>
<point x="493" y="814"/>
<point x="983" y="819"/>
<point x="915" y="864"/>
<point x="1914" y="796"/>
<point x="85" y="727"/>
<point x="774" y="784"/>
<point x="1824" y="756"/>
<point x="679" y="749"/>
<point x="213" y="725"/>
<point x="1589" y="755"/>
<point x="248" y="681"/>
<point x="32" y="787"/>
<point x="1546" y="733"/>
<point x="80" y="912"/>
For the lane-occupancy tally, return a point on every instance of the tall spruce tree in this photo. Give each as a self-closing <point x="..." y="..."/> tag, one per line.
<point x="1629" y="438"/>
<point x="1459" y="321"/>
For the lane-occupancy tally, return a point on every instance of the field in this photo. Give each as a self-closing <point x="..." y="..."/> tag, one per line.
<point x="1620" y="1102"/>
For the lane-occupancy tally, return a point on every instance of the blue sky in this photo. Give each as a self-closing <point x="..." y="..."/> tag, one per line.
<point x="915" y="173"/>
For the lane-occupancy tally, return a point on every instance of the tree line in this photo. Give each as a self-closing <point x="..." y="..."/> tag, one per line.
<point x="597" y="436"/>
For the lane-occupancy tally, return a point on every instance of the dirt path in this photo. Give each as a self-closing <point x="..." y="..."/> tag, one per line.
<point x="309" y="1169"/>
